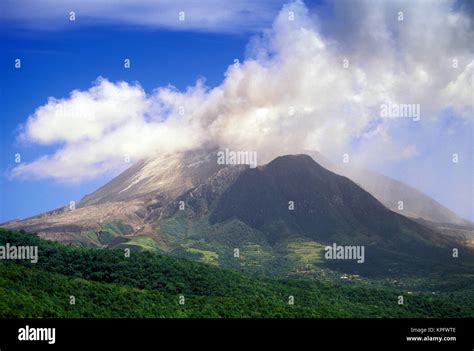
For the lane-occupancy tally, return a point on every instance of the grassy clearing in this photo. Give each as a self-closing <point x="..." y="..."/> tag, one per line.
<point x="209" y="257"/>
<point x="305" y="254"/>
<point x="144" y="242"/>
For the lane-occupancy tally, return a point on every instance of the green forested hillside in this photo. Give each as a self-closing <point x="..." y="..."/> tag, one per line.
<point x="105" y="283"/>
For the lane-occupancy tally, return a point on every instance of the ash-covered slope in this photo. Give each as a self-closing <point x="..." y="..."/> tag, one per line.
<point x="131" y="203"/>
<point x="169" y="174"/>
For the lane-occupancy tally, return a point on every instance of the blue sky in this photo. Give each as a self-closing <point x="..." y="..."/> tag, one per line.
<point x="59" y="57"/>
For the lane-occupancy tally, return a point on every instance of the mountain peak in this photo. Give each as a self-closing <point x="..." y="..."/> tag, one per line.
<point x="292" y="160"/>
<point x="170" y="174"/>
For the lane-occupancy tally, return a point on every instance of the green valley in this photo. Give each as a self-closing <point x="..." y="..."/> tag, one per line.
<point x="106" y="283"/>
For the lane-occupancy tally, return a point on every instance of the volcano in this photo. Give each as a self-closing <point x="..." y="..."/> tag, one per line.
<point x="281" y="214"/>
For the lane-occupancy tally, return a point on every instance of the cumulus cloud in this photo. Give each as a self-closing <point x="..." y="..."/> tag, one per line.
<point x="306" y="83"/>
<point x="100" y="129"/>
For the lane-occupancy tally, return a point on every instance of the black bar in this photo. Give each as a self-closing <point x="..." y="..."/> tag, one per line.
<point x="316" y="334"/>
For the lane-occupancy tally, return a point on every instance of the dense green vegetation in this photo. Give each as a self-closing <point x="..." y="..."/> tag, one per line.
<point x="106" y="283"/>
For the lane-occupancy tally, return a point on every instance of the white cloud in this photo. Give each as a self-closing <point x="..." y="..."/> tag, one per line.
<point x="459" y="92"/>
<point x="296" y="65"/>
<point x="87" y="115"/>
<point x="202" y="15"/>
<point x="100" y="128"/>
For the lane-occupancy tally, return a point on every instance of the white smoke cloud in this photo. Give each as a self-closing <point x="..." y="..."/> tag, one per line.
<point x="293" y="92"/>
